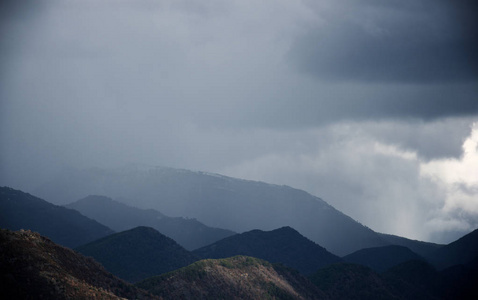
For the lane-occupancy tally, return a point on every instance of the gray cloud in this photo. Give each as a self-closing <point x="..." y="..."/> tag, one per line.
<point x="400" y="41"/>
<point x="215" y="86"/>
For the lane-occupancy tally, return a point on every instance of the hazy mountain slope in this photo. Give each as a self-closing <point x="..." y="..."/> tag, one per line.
<point x="189" y="233"/>
<point x="33" y="267"/>
<point x="461" y="251"/>
<point x="237" y="277"/>
<point x="419" y="247"/>
<point x="382" y="258"/>
<point x="350" y="281"/>
<point x="221" y="202"/>
<point x="284" y="245"/>
<point x="138" y="253"/>
<point x="19" y="210"/>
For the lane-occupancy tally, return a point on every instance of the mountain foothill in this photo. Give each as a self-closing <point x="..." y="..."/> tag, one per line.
<point x="165" y="233"/>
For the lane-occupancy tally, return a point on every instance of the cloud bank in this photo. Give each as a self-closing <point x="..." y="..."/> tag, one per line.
<point x="359" y="102"/>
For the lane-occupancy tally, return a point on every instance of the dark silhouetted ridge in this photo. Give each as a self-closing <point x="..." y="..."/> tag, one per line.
<point x="138" y="253"/>
<point x="220" y="202"/>
<point x="189" y="233"/>
<point x="461" y="251"/>
<point x="19" y="210"/>
<point x="419" y="247"/>
<point x="284" y="245"/>
<point x="382" y="258"/>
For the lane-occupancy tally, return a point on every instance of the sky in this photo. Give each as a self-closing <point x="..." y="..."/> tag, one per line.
<point x="370" y="105"/>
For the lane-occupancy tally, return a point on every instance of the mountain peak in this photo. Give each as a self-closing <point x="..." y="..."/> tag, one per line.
<point x="138" y="253"/>
<point x="284" y="245"/>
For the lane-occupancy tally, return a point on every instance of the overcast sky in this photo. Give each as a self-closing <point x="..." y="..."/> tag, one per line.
<point x="371" y="105"/>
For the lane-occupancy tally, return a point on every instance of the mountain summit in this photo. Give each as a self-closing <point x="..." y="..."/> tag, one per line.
<point x="284" y="245"/>
<point x="138" y="253"/>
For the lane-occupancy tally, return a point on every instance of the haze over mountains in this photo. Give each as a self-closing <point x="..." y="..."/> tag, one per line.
<point x="142" y="252"/>
<point x="189" y="233"/>
<point x="218" y="201"/>
<point x="19" y="210"/>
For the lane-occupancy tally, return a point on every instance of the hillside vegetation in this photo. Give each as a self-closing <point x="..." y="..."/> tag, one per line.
<point x="33" y="267"/>
<point x="238" y="277"/>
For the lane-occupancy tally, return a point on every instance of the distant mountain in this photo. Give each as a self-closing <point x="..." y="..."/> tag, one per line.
<point x="189" y="233"/>
<point x="350" y="281"/>
<point x="19" y="210"/>
<point x="382" y="258"/>
<point x="33" y="267"/>
<point x="284" y="245"/>
<point x="138" y="253"/>
<point x="234" y="278"/>
<point x="220" y="202"/>
<point x="461" y="251"/>
<point x="419" y="247"/>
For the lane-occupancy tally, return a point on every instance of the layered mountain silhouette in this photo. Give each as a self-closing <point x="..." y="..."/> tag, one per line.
<point x="284" y="245"/>
<point x="19" y="210"/>
<point x="463" y="251"/>
<point x="419" y="247"/>
<point x="220" y="202"/>
<point x="382" y="258"/>
<point x="238" y="277"/>
<point x="189" y="233"/>
<point x="138" y="253"/>
<point x="33" y="267"/>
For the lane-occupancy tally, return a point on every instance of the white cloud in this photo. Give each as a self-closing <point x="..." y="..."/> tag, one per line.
<point x="382" y="185"/>
<point x="459" y="179"/>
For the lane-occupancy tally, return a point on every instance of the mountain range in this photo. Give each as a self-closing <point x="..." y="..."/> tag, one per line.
<point x="189" y="233"/>
<point x="218" y="201"/>
<point x="284" y="245"/>
<point x="272" y="263"/>
<point x="138" y="253"/>
<point x="19" y="210"/>
<point x="383" y="258"/>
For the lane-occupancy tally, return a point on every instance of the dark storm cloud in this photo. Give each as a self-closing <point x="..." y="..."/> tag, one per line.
<point x="396" y="41"/>
<point x="327" y="90"/>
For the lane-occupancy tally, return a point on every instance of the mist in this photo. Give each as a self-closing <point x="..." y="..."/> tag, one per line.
<point x="365" y="104"/>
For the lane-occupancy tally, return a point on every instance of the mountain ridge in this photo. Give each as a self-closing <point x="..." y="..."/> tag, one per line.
<point x="189" y="233"/>
<point x="68" y="227"/>
<point x="138" y="253"/>
<point x="283" y="245"/>
<point x="221" y="202"/>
